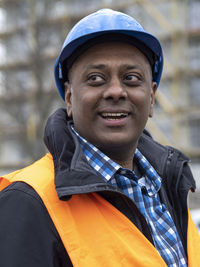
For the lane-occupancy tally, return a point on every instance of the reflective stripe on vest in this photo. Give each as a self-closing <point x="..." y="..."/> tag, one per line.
<point x="94" y="232"/>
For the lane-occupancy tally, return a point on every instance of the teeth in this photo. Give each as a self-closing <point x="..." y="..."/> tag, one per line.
<point x="114" y="115"/>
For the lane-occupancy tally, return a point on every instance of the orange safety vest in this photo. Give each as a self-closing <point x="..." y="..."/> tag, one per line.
<point x="94" y="232"/>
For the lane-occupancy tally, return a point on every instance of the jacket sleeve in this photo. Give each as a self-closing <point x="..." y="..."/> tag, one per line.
<point x="27" y="234"/>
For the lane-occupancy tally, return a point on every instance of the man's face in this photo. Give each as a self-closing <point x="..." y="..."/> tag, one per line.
<point x="110" y="95"/>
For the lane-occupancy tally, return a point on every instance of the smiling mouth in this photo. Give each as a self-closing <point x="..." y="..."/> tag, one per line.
<point x="114" y="115"/>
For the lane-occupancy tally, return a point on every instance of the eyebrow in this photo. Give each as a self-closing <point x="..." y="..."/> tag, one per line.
<point x="104" y="66"/>
<point x="130" y="67"/>
<point x="96" y="66"/>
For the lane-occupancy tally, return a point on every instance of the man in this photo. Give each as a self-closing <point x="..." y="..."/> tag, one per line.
<point x="107" y="194"/>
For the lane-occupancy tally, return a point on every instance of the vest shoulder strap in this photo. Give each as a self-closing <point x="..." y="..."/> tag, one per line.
<point x="36" y="173"/>
<point x="193" y="243"/>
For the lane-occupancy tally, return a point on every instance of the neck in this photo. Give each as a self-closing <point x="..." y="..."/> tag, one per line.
<point x="123" y="157"/>
<point x="125" y="164"/>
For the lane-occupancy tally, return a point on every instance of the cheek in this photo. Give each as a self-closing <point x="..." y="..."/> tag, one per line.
<point x="140" y="98"/>
<point x="80" y="107"/>
<point x="143" y="103"/>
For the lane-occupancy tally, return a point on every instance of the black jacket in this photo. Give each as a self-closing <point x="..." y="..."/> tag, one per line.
<point x="27" y="234"/>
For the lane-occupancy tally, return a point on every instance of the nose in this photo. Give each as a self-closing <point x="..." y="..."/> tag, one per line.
<point x="115" y="90"/>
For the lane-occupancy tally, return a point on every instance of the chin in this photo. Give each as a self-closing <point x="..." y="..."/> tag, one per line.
<point x="115" y="142"/>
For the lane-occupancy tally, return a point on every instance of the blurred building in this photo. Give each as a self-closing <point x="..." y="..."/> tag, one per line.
<point x="31" y="35"/>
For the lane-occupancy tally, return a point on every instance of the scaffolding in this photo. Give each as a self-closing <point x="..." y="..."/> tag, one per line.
<point x="31" y="35"/>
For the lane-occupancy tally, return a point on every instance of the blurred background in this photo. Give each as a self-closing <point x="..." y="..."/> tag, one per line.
<point x="31" y="36"/>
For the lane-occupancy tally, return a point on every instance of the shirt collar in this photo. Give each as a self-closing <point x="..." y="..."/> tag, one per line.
<point x="152" y="179"/>
<point x="106" y="168"/>
<point x="101" y="163"/>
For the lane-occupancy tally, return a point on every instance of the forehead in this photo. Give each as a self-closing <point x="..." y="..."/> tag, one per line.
<point x="111" y="51"/>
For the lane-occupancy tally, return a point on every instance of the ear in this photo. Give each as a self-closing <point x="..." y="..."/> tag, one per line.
<point x="153" y="90"/>
<point x="68" y="98"/>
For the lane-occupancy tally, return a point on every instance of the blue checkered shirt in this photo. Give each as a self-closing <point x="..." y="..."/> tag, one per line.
<point x="144" y="193"/>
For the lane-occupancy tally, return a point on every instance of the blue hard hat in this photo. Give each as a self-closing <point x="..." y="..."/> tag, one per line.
<point x="106" y="21"/>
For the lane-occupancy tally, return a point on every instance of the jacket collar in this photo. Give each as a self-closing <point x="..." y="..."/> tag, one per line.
<point x="73" y="175"/>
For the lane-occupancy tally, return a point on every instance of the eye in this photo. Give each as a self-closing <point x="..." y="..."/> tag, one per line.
<point x="131" y="78"/>
<point x="95" y="79"/>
